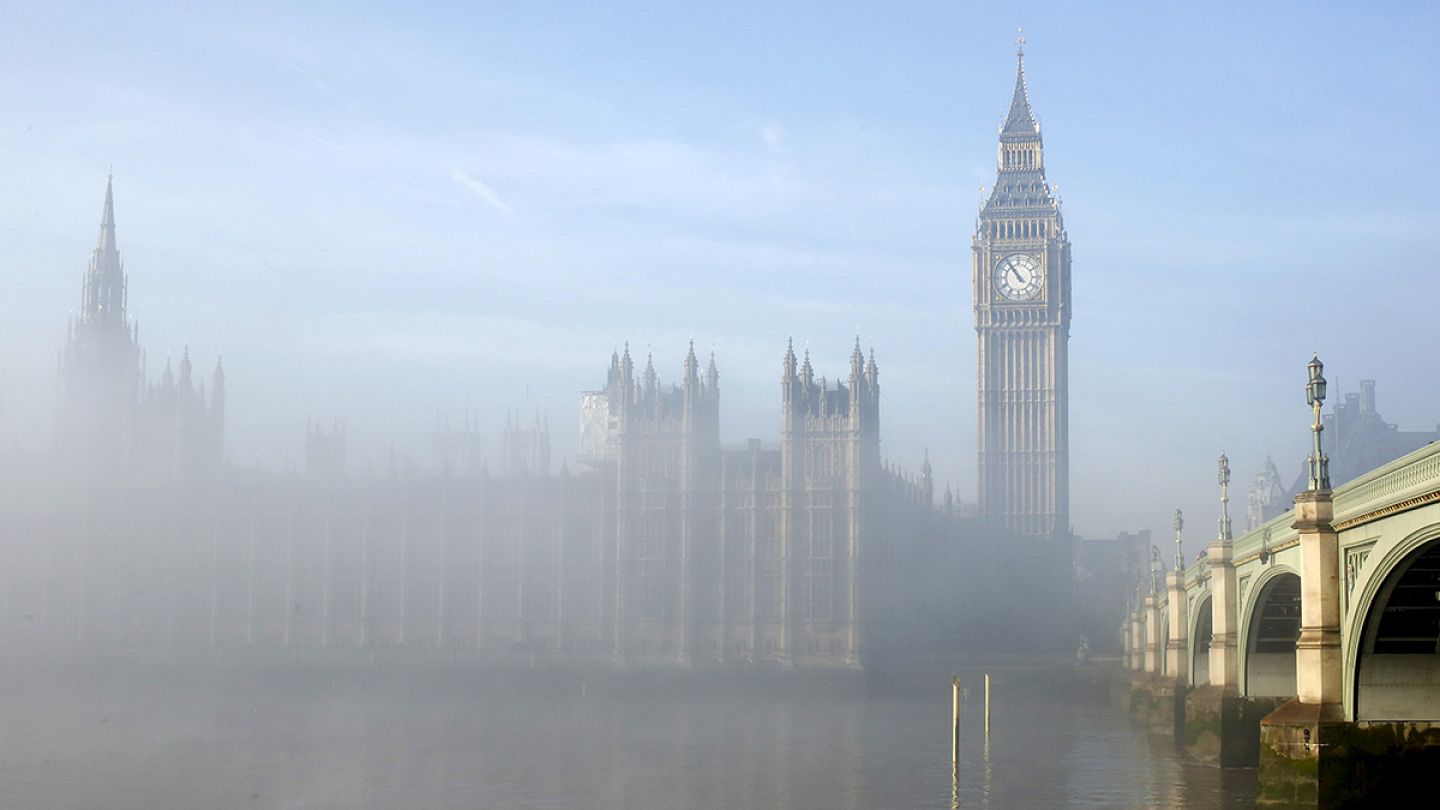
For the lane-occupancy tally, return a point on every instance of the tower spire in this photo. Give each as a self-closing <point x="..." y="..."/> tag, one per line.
<point x="1021" y="118"/>
<point x="103" y="293"/>
<point x="106" y="243"/>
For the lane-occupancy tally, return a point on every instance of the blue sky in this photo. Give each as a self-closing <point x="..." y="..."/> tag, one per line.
<point x="384" y="213"/>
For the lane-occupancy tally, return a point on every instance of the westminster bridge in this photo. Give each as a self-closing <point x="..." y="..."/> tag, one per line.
<point x="1309" y="645"/>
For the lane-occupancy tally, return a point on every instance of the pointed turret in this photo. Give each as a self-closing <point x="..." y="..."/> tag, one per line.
<point x="217" y="387"/>
<point x="627" y="366"/>
<point x="185" y="369"/>
<point x="712" y="375"/>
<point x="692" y="367"/>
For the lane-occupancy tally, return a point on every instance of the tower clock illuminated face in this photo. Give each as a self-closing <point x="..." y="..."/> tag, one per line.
<point x="1018" y="277"/>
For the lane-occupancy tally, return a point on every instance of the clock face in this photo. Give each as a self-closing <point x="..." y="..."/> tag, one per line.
<point x="1018" y="277"/>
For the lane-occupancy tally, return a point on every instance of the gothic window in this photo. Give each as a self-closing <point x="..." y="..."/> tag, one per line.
<point x="737" y="596"/>
<point x="767" y="597"/>
<point x="821" y="534"/>
<point x="652" y="597"/>
<point x="767" y="541"/>
<point x="654" y="530"/>
<point x="820" y="599"/>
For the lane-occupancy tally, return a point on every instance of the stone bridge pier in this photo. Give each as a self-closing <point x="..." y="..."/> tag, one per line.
<point x="1293" y="737"/>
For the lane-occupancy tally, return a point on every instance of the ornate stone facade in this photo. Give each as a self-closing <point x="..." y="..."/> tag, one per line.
<point x="664" y="547"/>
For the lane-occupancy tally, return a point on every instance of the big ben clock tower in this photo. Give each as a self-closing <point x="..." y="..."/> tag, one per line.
<point x="1021" y="283"/>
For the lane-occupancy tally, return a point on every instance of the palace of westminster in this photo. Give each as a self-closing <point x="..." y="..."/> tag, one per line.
<point x="663" y="546"/>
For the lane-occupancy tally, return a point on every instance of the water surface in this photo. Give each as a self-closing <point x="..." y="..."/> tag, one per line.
<point x="112" y="734"/>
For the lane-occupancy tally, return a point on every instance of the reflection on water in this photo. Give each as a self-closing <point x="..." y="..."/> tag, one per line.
<point x="313" y="737"/>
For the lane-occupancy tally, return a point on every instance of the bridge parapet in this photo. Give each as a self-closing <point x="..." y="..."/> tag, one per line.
<point x="1405" y="483"/>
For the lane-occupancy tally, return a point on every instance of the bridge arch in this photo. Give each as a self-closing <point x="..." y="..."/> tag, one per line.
<point x="1270" y="629"/>
<point x="1202" y="630"/>
<point x="1394" y="657"/>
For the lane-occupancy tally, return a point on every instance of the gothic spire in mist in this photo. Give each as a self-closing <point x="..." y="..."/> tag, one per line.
<point x="1021" y="119"/>
<point x="103" y="296"/>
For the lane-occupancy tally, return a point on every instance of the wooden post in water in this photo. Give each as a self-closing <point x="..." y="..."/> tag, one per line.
<point x="987" y="704"/>
<point x="954" y="721"/>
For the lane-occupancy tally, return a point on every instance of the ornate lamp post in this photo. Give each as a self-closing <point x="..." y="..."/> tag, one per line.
<point x="1225" y="536"/>
<point x="1315" y="396"/>
<point x="1179" y="552"/>
<point x="1223" y="604"/>
<point x="1154" y="570"/>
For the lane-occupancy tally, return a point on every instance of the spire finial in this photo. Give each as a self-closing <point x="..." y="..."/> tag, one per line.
<point x="1020" y="42"/>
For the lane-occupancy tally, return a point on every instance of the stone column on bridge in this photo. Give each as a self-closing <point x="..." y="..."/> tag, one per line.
<point x="1220" y="726"/>
<point x="1317" y="651"/>
<point x="1177" y="648"/>
<point x="1224" y="663"/>
<point x="1152" y="635"/>
<point x="1302" y="743"/>
<point x="1299" y="738"/>
<point x="1224" y="598"/>
<point x="1137" y="639"/>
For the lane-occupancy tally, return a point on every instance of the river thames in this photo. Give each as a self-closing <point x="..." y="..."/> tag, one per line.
<point x="291" y="735"/>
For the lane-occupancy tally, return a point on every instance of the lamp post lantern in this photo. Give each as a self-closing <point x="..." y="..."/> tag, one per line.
<point x="1225" y="535"/>
<point x="1179" y="552"/>
<point x="1315" y="396"/>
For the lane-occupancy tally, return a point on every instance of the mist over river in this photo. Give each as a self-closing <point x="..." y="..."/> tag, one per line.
<point x="123" y="732"/>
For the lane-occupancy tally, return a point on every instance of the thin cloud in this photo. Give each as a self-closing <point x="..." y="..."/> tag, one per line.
<point x="305" y="135"/>
<point x="774" y="137"/>
<point x="480" y="189"/>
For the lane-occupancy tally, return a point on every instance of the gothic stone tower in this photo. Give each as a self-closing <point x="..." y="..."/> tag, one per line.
<point x="666" y="469"/>
<point x="1021" y="283"/>
<point x="110" y="422"/>
<point x="830" y="465"/>
<point x="100" y="375"/>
